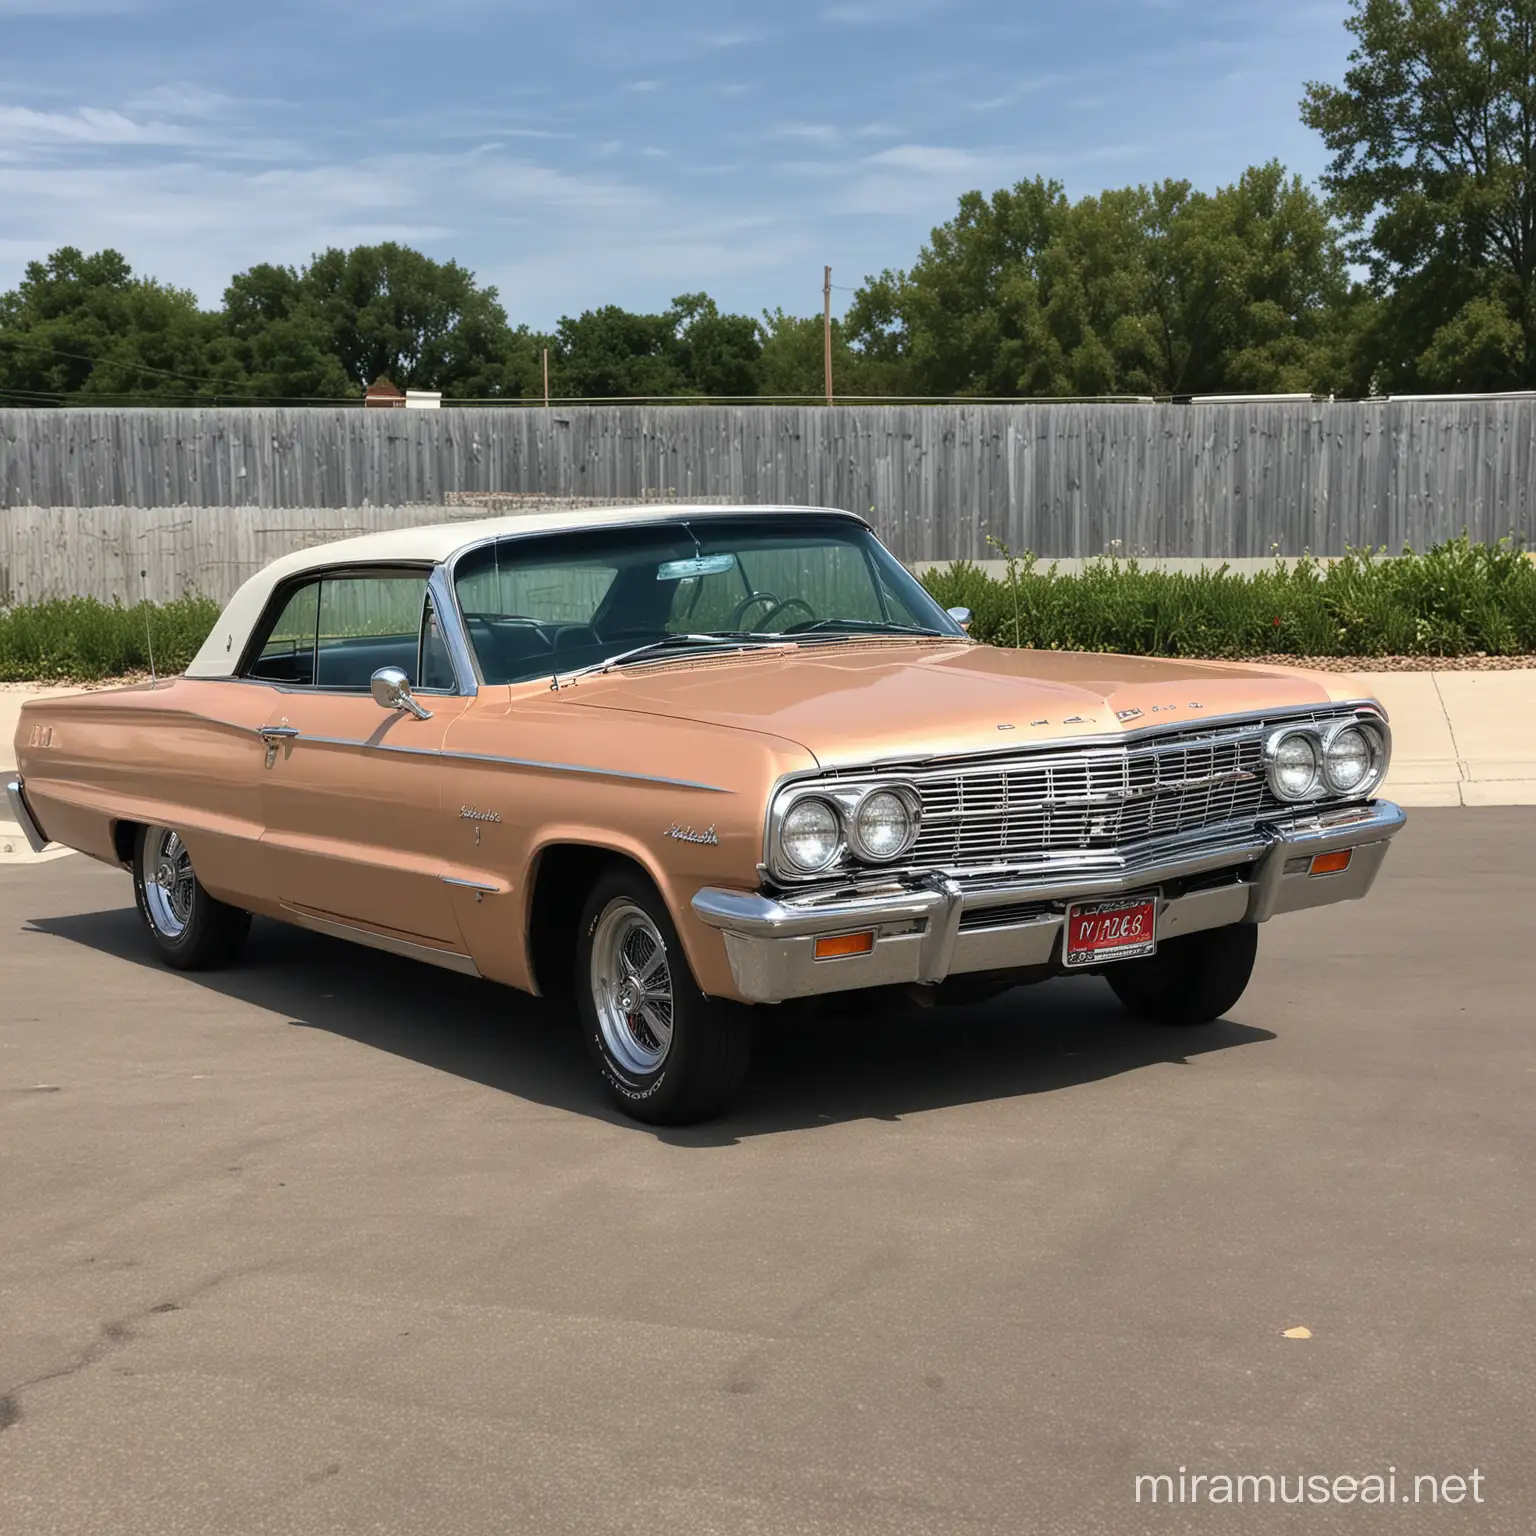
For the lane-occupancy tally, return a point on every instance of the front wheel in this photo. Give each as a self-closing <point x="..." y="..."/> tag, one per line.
<point x="1190" y="980"/>
<point x="192" y="930"/>
<point x="666" y="1053"/>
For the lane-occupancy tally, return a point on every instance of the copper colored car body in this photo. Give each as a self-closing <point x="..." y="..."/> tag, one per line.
<point x="465" y="819"/>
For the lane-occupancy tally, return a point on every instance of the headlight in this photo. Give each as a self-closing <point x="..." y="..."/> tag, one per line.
<point x="884" y="825"/>
<point x="810" y="836"/>
<point x="1354" y="758"/>
<point x="1347" y="760"/>
<point x="1293" y="761"/>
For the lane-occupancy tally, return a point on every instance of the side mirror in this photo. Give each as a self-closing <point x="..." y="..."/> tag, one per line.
<point x="392" y="690"/>
<point x="961" y="616"/>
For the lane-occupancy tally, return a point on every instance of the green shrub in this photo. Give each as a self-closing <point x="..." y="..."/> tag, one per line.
<point x="79" y="639"/>
<point x="1457" y="598"/>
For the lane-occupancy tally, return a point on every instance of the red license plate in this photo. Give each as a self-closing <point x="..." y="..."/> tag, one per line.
<point x="1101" y="931"/>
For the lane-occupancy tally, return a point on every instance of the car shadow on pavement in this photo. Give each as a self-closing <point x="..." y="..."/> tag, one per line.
<point x="860" y="1060"/>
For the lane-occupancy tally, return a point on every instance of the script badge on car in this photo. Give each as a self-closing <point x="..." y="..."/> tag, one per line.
<point x="1101" y="931"/>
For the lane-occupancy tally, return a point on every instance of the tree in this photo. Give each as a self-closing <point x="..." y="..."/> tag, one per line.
<point x="863" y="362"/>
<point x="1160" y="290"/>
<point x="386" y="309"/>
<point x="1433" y="135"/>
<point x="85" y="326"/>
<point x="613" y="353"/>
<point x="276" y="336"/>
<point x="718" y="354"/>
<point x="689" y="349"/>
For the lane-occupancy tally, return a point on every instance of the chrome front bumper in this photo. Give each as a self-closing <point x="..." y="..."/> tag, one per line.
<point x="922" y="934"/>
<point x="22" y="813"/>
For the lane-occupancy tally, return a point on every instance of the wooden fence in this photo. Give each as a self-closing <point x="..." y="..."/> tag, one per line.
<point x="937" y="481"/>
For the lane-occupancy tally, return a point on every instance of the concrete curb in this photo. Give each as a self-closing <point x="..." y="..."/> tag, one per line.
<point x="1459" y="738"/>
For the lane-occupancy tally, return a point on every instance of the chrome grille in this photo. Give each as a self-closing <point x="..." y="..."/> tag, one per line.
<point x="1097" y="798"/>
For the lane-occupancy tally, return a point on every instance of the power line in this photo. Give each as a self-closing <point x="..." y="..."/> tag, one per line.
<point x="104" y="362"/>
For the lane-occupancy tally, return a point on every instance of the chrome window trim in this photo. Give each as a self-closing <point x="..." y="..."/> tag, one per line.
<point x="445" y="605"/>
<point x="685" y="515"/>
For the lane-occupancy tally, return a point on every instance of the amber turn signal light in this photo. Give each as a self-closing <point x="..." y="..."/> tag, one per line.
<point x="840" y="946"/>
<point x="1332" y="863"/>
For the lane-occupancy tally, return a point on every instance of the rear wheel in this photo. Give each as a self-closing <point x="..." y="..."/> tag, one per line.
<point x="192" y="930"/>
<point x="1190" y="980"/>
<point x="666" y="1053"/>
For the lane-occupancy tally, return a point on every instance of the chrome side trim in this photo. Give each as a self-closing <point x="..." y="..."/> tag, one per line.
<point x="36" y="838"/>
<point x="444" y="958"/>
<point x="511" y="762"/>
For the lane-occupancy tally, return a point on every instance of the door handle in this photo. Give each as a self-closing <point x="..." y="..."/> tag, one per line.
<point x="274" y="736"/>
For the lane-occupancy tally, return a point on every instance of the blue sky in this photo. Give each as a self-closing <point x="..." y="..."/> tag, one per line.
<point x="579" y="154"/>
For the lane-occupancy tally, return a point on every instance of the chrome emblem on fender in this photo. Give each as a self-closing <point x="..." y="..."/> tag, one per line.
<point x="469" y="813"/>
<point x="708" y="837"/>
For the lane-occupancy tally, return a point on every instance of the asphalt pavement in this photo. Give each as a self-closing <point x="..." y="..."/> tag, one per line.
<point x="335" y="1243"/>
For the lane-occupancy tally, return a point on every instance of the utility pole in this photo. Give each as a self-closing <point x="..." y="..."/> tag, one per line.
<point x="826" y="328"/>
<point x="546" y="378"/>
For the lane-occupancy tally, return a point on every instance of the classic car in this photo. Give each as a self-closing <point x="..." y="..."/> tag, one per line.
<point x="681" y="765"/>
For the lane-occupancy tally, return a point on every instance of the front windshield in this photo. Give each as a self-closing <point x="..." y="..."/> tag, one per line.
<point x="558" y="603"/>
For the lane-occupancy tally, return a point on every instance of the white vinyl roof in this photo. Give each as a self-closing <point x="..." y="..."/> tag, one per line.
<point x="430" y="543"/>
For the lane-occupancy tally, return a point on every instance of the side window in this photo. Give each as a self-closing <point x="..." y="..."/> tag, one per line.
<point x="436" y="667"/>
<point x="287" y="654"/>
<point x="368" y="622"/>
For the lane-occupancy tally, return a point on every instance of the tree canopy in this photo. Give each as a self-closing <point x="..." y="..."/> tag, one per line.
<point x="1433" y="135"/>
<point x="1158" y="290"/>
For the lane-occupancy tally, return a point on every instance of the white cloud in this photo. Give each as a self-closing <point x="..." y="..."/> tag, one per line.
<point x="810" y="133"/>
<point x="1031" y="86"/>
<point x="85" y="125"/>
<point x="183" y="99"/>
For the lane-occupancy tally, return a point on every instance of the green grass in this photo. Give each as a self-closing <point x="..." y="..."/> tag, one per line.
<point x="80" y="639"/>
<point x="1456" y="599"/>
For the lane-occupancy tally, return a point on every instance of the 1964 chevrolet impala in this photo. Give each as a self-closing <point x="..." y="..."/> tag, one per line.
<point x="672" y="763"/>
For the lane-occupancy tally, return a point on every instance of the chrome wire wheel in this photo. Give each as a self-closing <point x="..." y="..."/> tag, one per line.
<point x="169" y="883"/>
<point x="632" y="987"/>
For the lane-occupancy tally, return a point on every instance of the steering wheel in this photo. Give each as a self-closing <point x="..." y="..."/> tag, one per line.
<point x="788" y="603"/>
<point x="736" y="614"/>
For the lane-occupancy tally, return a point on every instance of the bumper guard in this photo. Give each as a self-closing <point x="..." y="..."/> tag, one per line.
<point x="24" y="817"/>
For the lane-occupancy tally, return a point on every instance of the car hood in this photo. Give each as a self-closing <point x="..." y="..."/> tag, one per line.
<point x="865" y="702"/>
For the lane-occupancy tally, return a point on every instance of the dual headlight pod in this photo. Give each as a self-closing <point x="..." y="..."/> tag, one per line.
<point x="813" y="830"/>
<point x="1304" y="762"/>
